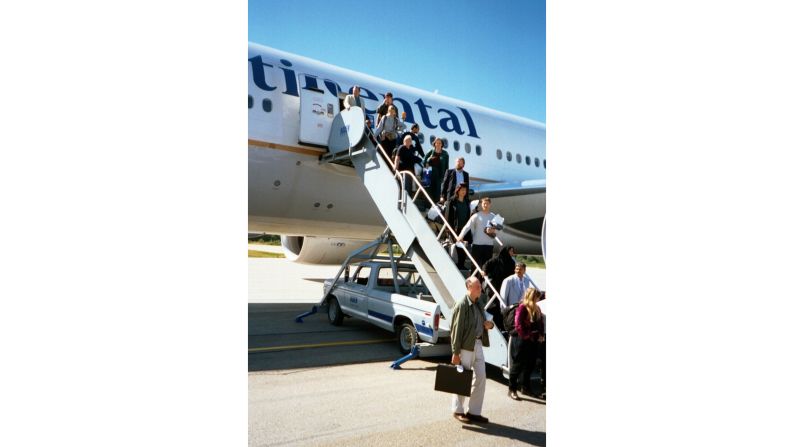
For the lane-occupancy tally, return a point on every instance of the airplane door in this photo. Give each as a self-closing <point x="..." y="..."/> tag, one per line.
<point x="317" y="110"/>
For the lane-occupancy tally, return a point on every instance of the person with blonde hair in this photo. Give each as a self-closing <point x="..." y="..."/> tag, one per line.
<point x="525" y="342"/>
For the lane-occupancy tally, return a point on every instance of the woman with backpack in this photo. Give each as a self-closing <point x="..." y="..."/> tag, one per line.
<point x="526" y="336"/>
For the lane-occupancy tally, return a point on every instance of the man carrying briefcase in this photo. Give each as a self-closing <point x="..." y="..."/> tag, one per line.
<point x="469" y="332"/>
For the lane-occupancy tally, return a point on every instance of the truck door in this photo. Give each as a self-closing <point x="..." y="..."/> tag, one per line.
<point x="354" y="301"/>
<point x="380" y="308"/>
<point x="317" y="110"/>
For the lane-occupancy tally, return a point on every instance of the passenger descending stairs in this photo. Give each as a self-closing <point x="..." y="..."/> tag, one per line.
<point x="352" y="143"/>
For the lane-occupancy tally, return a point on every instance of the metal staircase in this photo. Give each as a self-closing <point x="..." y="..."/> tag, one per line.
<point x="353" y="144"/>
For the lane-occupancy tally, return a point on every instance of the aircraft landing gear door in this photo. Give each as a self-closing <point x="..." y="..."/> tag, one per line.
<point x="317" y="110"/>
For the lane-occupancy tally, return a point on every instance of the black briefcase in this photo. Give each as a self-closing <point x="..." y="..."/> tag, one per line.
<point x="449" y="380"/>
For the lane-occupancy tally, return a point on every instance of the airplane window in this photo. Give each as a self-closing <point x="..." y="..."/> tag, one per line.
<point x="267" y="105"/>
<point x="250" y="101"/>
<point x="499" y="154"/>
<point x="509" y="156"/>
<point x="445" y="142"/>
<point x="518" y="158"/>
<point x="528" y="160"/>
<point x="478" y="149"/>
<point x="421" y="138"/>
<point x="544" y="164"/>
<point x="432" y="139"/>
<point x="457" y="145"/>
<point x="468" y="148"/>
<point x="537" y="162"/>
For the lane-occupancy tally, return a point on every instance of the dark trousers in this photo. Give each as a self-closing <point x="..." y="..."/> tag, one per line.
<point x="409" y="184"/>
<point x="388" y="145"/>
<point x="481" y="253"/>
<point x="524" y="354"/>
<point x="519" y="356"/>
<point x="461" y="258"/>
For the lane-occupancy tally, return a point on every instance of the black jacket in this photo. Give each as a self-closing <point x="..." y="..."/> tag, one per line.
<point x="448" y="184"/>
<point x="417" y="145"/>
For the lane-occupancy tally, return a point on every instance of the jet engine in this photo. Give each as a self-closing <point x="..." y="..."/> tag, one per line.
<point x="319" y="250"/>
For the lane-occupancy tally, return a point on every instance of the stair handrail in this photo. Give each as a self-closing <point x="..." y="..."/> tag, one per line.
<point x="446" y="224"/>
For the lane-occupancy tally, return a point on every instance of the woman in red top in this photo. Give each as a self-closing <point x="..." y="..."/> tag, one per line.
<point x="526" y="346"/>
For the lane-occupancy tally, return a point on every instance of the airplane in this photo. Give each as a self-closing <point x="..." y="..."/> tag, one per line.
<point x="322" y="210"/>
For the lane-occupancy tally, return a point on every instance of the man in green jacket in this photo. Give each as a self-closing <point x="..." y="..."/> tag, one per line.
<point x="469" y="332"/>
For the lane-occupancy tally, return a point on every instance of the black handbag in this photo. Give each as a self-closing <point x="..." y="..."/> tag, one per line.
<point x="449" y="380"/>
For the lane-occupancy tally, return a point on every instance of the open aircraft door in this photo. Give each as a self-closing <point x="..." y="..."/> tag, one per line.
<point x="317" y="111"/>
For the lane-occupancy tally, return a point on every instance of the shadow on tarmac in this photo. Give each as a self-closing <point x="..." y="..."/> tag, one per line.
<point x="277" y="342"/>
<point x="531" y="437"/>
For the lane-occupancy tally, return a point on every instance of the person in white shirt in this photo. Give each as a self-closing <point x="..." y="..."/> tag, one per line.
<point x="482" y="234"/>
<point x="514" y="287"/>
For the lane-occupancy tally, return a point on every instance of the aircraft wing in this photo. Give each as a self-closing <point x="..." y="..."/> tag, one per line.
<point x="510" y="189"/>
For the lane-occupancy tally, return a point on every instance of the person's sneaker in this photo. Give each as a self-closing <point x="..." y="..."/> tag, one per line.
<point x="477" y="418"/>
<point x="513" y="395"/>
<point x="461" y="417"/>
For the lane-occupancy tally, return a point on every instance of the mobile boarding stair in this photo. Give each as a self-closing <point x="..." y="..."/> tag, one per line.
<point x="352" y="143"/>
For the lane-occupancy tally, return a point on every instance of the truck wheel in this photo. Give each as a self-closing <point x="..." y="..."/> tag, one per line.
<point x="335" y="315"/>
<point x="406" y="337"/>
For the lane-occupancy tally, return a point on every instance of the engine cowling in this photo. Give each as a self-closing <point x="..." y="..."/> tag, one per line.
<point x="319" y="250"/>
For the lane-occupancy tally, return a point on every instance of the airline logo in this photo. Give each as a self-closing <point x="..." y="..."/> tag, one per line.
<point x="448" y="120"/>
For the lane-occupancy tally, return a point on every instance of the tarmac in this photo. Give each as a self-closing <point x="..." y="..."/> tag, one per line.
<point x="312" y="383"/>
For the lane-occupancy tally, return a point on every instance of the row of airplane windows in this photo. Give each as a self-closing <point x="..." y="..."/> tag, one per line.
<point x="478" y="150"/>
<point x="267" y="106"/>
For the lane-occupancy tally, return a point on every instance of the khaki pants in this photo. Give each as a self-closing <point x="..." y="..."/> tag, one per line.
<point x="472" y="360"/>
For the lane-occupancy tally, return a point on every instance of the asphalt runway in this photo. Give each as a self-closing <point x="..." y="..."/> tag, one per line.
<point x="312" y="383"/>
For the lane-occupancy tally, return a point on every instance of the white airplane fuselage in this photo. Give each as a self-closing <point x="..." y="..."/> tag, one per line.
<point x="291" y="193"/>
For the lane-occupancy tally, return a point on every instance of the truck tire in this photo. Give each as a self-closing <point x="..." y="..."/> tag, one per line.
<point x="335" y="315"/>
<point x="406" y="337"/>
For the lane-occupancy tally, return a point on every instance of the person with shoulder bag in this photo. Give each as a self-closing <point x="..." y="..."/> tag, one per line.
<point x="526" y="335"/>
<point x="388" y="129"/>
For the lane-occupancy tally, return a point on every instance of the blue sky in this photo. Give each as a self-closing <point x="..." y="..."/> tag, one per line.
<point x="489" y="53"/>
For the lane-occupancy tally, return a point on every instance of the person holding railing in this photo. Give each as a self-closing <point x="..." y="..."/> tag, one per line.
<point x="497" y="269"/>
<point x="388" y="129"/>
<point x="458" y="213"/>
<point x="417" y="145"/>
<point x="482" y="234"/>
<point x="438" y="161"/>
<point x="405" y="159"/>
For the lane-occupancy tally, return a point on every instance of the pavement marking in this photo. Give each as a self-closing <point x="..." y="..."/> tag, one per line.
<point x="321" y="345"/>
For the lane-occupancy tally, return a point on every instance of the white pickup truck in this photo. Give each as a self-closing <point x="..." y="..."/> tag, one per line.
<point x="397" y="301"/>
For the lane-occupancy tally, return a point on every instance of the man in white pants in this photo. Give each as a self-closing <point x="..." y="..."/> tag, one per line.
<point x="469" y="332"/>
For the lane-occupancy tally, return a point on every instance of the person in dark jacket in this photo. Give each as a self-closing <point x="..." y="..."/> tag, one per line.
<point x="458" y="212"/>
<point x="497" y="269"/>
<point x="453" y="178"/>
<point x="438" y="159"/>
<point x="414" y="134"/>
<point x="406" y="158"/>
